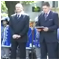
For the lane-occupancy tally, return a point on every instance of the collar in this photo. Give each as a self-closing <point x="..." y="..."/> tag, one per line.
<point x="48" y="12"/>
<point x="18" y="14"/>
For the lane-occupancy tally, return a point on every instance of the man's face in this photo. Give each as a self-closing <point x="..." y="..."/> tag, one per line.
<point x="18" y="9"/>
<point x="46" y="9"/>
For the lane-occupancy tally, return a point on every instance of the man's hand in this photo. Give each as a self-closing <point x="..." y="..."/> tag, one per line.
<point x="18" y="36"/>
<point x="39" y="30"/>
<point x="46" y="29"/>
<point x="15" y="36"/>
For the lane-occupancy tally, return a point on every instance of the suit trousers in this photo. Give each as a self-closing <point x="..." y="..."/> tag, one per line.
<point x="22" y="48"/>
<point x="49" y="49"/>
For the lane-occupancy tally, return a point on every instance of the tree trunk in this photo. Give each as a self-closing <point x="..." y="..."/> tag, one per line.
<point x="11" y="7"/>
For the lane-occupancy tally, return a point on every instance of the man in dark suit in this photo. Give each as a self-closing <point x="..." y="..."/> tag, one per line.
<point x="19" y="24"/>
<point x="48" y="36"/>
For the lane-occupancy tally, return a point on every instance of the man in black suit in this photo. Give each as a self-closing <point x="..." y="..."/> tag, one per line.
<point x="48" y="36"/>
<point x="19" y="25"/>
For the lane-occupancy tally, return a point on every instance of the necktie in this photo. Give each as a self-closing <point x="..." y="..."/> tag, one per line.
<point x="18" y="16"/>
<point x="45" y="16"/>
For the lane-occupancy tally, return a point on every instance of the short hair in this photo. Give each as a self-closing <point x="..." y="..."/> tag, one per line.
<point x="19" y="4"/>
<point x="46" y="4"/>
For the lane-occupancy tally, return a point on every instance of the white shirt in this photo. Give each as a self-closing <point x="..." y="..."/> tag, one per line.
<point x="18" y="14"/>
<point x="48" y="12"/>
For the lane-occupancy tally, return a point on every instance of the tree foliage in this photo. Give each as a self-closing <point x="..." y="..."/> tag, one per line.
<point x="27" y="2"/>
<point x="3" y="7"/>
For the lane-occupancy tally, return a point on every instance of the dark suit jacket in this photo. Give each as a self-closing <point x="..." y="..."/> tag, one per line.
<point x="20" y="26"/>
<point x="52" y="23"/>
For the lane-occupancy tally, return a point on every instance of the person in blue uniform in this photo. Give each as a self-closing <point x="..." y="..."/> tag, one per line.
<point x="30" y="37"/>
<point x="29" y="43"/>
<point x="5" y="39"/>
